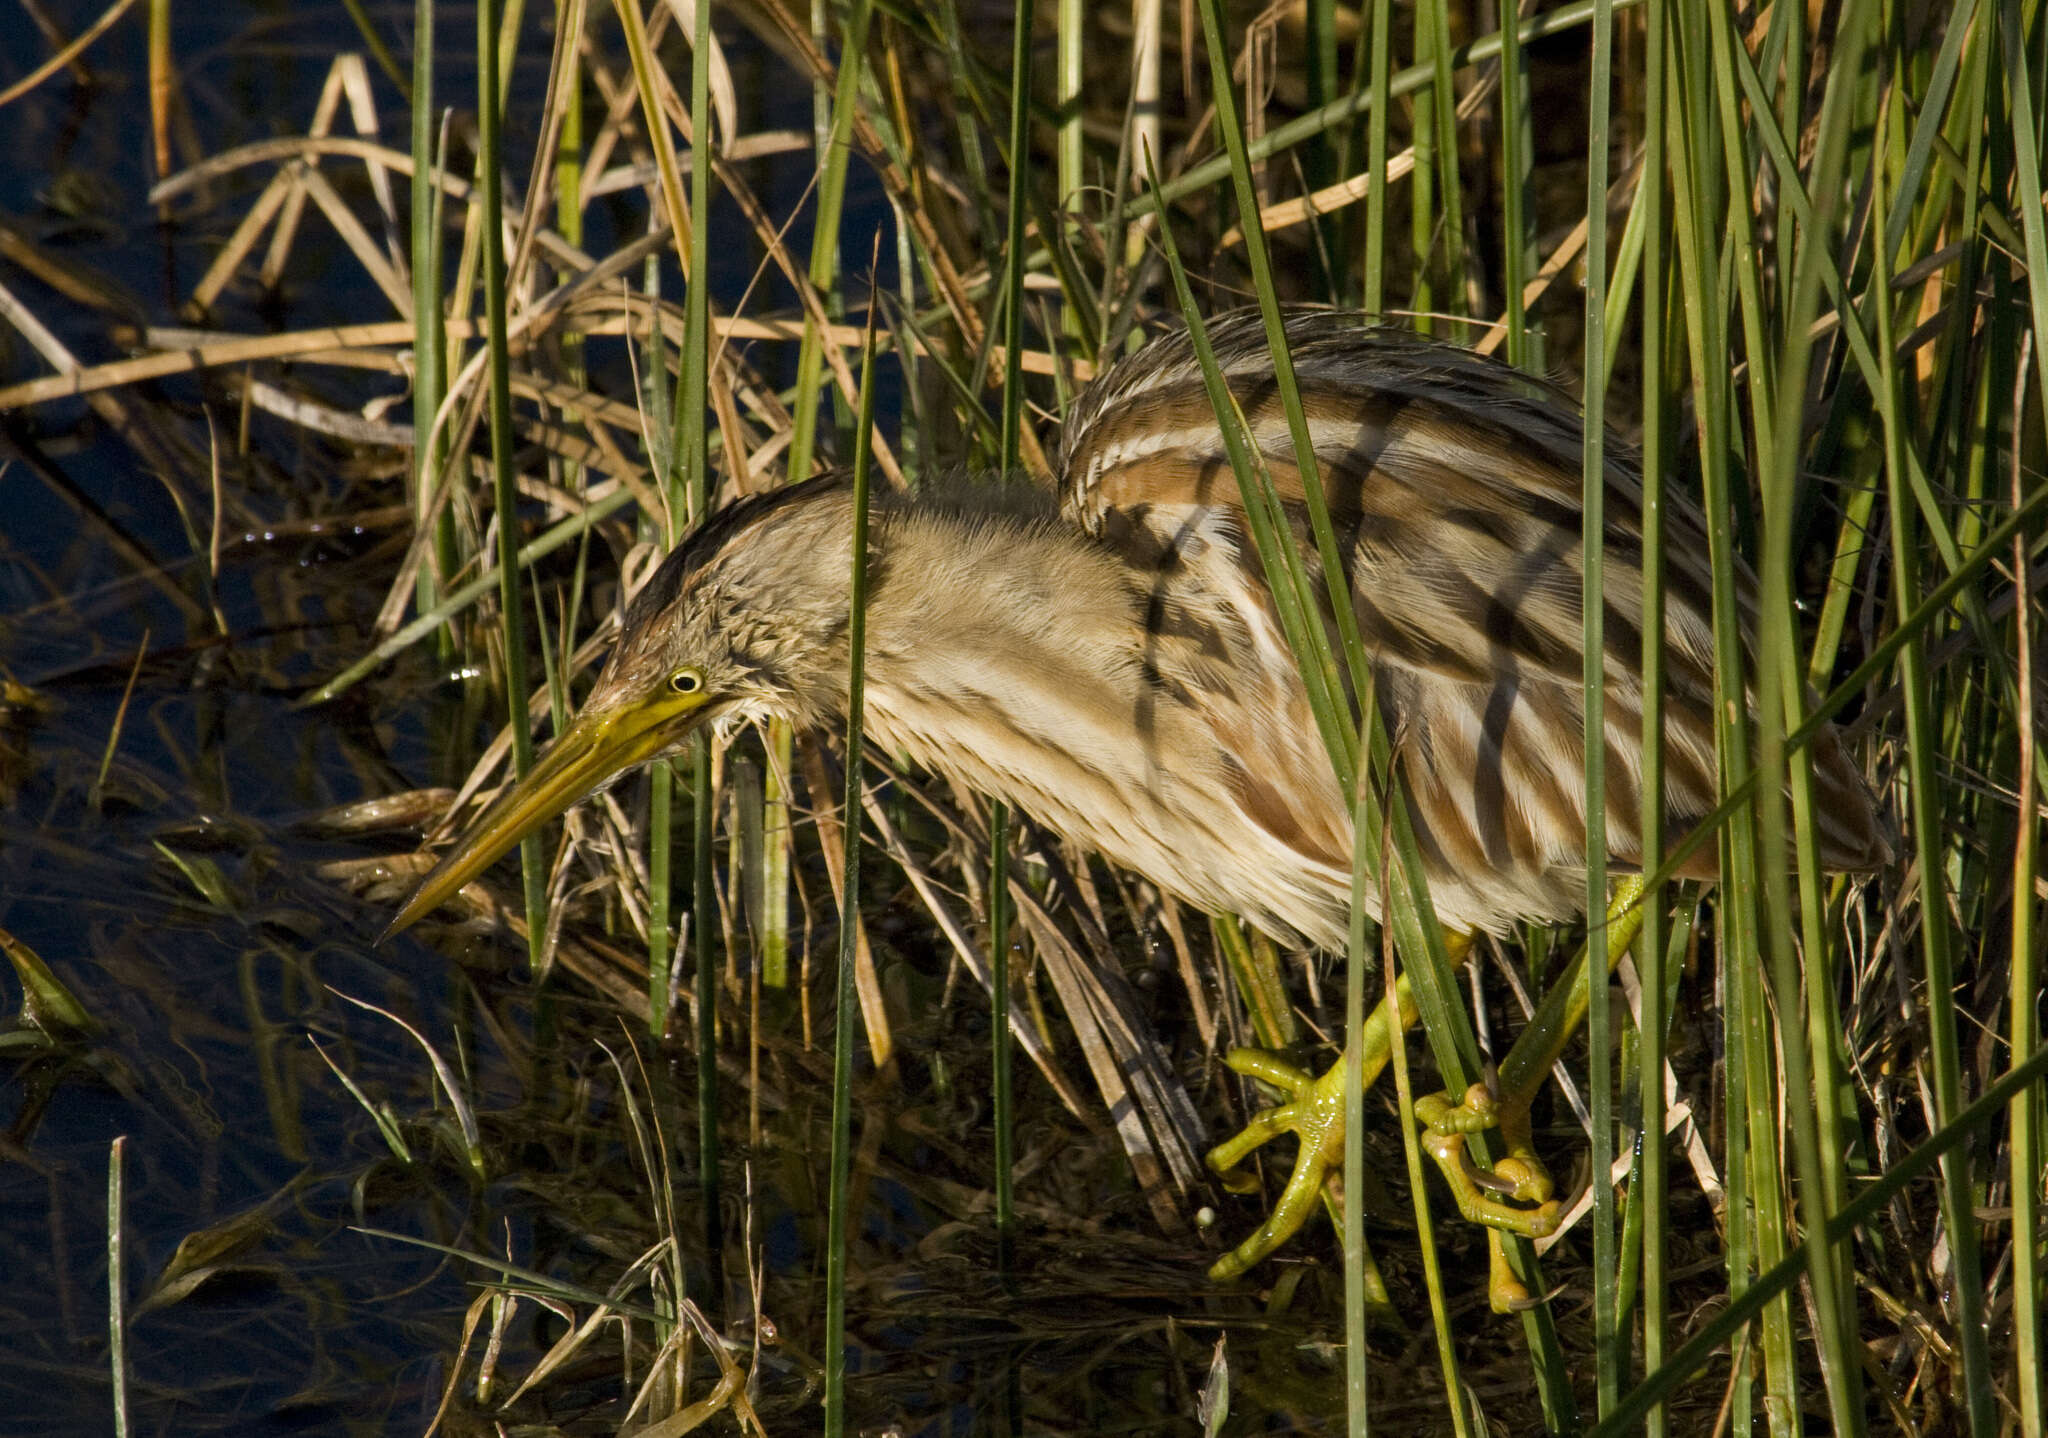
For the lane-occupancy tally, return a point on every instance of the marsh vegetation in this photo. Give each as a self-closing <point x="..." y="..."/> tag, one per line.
<point x="355" y="367"/>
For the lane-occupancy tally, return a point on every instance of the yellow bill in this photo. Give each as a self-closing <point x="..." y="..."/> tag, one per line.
<point x="594" y="748"/>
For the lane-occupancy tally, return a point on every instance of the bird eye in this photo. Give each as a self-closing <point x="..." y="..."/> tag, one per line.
<point x="686" y="681"/>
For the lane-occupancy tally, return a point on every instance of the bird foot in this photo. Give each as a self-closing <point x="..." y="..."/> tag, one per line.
<point x="1314" y="1112"/>
<point x="1515" y="1194"/>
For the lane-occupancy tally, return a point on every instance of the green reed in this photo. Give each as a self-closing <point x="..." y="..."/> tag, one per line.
<point x="505" y="495"/>
<point x="1608" y="1346"/>
<point x="846" y="1005"/>
<point x="1002" y="1098"/>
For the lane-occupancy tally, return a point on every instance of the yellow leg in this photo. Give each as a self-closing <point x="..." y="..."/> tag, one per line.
<point x="1514" y="1196"/>
<point x="1314" y="1112"/>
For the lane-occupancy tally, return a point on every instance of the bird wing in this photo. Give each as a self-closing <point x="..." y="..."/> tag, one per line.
<point x="1454" y="486"/>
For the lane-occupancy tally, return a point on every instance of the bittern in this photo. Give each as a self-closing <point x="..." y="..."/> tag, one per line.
<point x="1110" y="660"/>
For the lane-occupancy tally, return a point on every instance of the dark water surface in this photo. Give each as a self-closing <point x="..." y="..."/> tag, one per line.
<point x="176" y="899"/>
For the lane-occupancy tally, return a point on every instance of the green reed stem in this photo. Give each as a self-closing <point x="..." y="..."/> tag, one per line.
<point x="692" y="408"/>
<point x="1449" y="239"/>
<point x="1363" y="861"/>
<point x="2030" y="1358"/>
<point x="1741" y="237"/>
<point x="373" y="41"/>
<point x="2024" y="1037"/>
<point x="1011" y="462"/>
<point x="780" y="742"/>
<point x="1320" y="164"/>
<point x="847" y="1006"/>
<point x="1648" y="1193"/>
<point x="569" y="152"/>
<point x="2026" y="159"/>
<point x="662" y="960"/>
<point x="1376" y="159"/>
<point x="1423" y="136"/>
<point x="430" y="341"/>
<point x="1260" y="986"/>
<point x="1517" y="162"/>
<point x="824" y="265"/>
<point x="511" y="605"/>
<point x="1697" y="201"/>
<point x="1926" y="814"/>
<point x="1356" y="1407"/>
<point x="1780" y="702"/>
<point x="1609" y="1360"/>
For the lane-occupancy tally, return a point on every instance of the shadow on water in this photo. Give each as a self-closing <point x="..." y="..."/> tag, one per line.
<point x="215" y="926"/>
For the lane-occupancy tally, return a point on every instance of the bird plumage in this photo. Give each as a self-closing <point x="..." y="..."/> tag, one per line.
<point x="1107" y="655"/>
<point x="1109" y="658"/>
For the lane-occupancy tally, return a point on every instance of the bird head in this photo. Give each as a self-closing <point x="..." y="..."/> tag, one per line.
<point x="744" y="619"/>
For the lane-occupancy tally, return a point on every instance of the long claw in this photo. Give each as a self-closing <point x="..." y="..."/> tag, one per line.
<point x="1515" y="1195"/>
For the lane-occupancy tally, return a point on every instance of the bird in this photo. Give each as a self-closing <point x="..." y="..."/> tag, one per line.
<point x="1106" y="654"/>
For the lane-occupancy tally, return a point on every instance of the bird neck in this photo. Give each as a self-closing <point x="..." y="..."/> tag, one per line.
<point x="978" y="596"/>
<point x="981" y="605"/>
